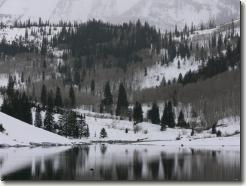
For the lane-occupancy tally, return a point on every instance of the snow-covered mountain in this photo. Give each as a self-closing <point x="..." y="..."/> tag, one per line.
<point x="161" y="13"/>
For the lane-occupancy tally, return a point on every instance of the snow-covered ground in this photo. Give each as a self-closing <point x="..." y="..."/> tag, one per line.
<point x="22" y="134"/>
<point x="157" y="72"/>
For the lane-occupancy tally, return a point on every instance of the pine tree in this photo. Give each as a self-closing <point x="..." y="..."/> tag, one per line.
<point x="50" y="100"/>
<point x="220" y="43"/>
<point x="22" y="77"/>
<point x="154" y="115"/>
<point x="171" y="122"/>
<point x="26" y="34"/>
<point x="10" y="87"/>
<point x="58" y="98"/>
<point x="92" y="87"/>
<point x="145" y="71"/>
<point x="26" y="113"/>
<point x="63" y="124"/>
<point x="108" y="98"/>
<point x="38" y="119"/>
<point x="181" y="120"/>
<point x="122" y="104"/>
<point x="49" y="121"/>
<point x="180" y="79"/>
<point x="44" y="47"/>
<point x="164" y="118"/>
<point x="43" y="97"/>
<point x="137" y="113"/>
<point x="73" y="129"/>
<point x="168" y="116"/>
<point x="103" y="133"/>
<point x="72" y="96"/>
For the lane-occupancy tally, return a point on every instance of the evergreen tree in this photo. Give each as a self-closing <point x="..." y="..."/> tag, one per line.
<point x="44" y="47"/>
<point x="181" y="120"/>
<point x="38" y="119"/>
<point x="76" y="77"/>
<point x="10" y="87"/>
<point x="164" y="118"/>
<point x="49" y="120"/>
<point x="180" y="79"/>
<point x="73" y="129"/>
<point x="22" y="77"/>
<point x="50" y="100"/>
<point x="168" y="116"/>
<point x="108" y="98"/>
<point x="137" y="113"/>
<point x="58" y="98"/>
<point x="145" y="71"/>
<point x="72" y="96"/>
<point x="63" y="124"/>
<point x="26" y="109"/>
<point x="220" y="43"/>
<point x="154" y="115"/>
<point x="103" y="133"/>
<point x="43" y="97"/>
<point x="122" y="104"/>
<point x="171" y="122"/>
<point x="92" y="87"/>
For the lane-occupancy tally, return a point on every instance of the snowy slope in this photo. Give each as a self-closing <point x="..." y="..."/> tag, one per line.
<point x="151" y="133"/>
<point x="163" y="13"/>
<point x="20" y="133"/>
<point x="157" y="72"/>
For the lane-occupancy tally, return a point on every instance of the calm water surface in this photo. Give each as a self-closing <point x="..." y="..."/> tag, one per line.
<point x="120" y="162"/>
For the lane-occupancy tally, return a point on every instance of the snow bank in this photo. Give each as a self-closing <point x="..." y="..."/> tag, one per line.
<point x="20" y="133"/>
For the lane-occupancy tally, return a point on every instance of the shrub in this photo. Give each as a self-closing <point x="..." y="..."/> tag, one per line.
<point x="103" y="133"/>
<point x="219" y="133"/>
<point x="1" y="128"/>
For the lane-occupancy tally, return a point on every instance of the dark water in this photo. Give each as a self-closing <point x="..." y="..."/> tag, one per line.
<point x="120" y="162"/>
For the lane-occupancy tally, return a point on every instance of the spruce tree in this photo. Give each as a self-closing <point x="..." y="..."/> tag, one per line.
<point x="58" y="98"/>
<point x="103" y="133"/>
<point x="26" y="109"/>
<point x="154" y="115"/>
<point x="164" y="118"/>
<point x="108" y="98"/>
<point x="49" y="120"/>
<point x="43" y="97"/>
<point x="137" y="113"/>
<point x="38" y="119"/>
<point x="180" y="79"/>
<point x="73" y="129"/>
<point x="181" y="120"/>
<point x="92" y="87"/>
<point x="168" y="116"/>
<point x="50" y="100"/>
<point x="122" y="104"/>
<point x="220" y="43"/>
<point x="63" y="124"/>
<point x="10" y="87"/>
<point x="170" y="119"/>
<point x="72" y="96"/>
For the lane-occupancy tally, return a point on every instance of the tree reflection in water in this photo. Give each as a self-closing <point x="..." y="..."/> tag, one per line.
<point x="126" y="162"/>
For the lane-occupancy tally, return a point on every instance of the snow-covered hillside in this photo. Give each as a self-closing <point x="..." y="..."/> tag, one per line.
<point x="18" y="133"/>
<point x="161" y="13"/>
<point x="157" y="72"/>
<point x="22" y="134"/>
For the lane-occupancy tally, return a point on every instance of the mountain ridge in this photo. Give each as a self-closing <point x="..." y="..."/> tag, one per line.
<point x="160" y="13"/>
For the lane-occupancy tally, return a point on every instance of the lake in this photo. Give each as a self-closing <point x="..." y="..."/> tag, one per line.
<point x="121" y="162"/>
